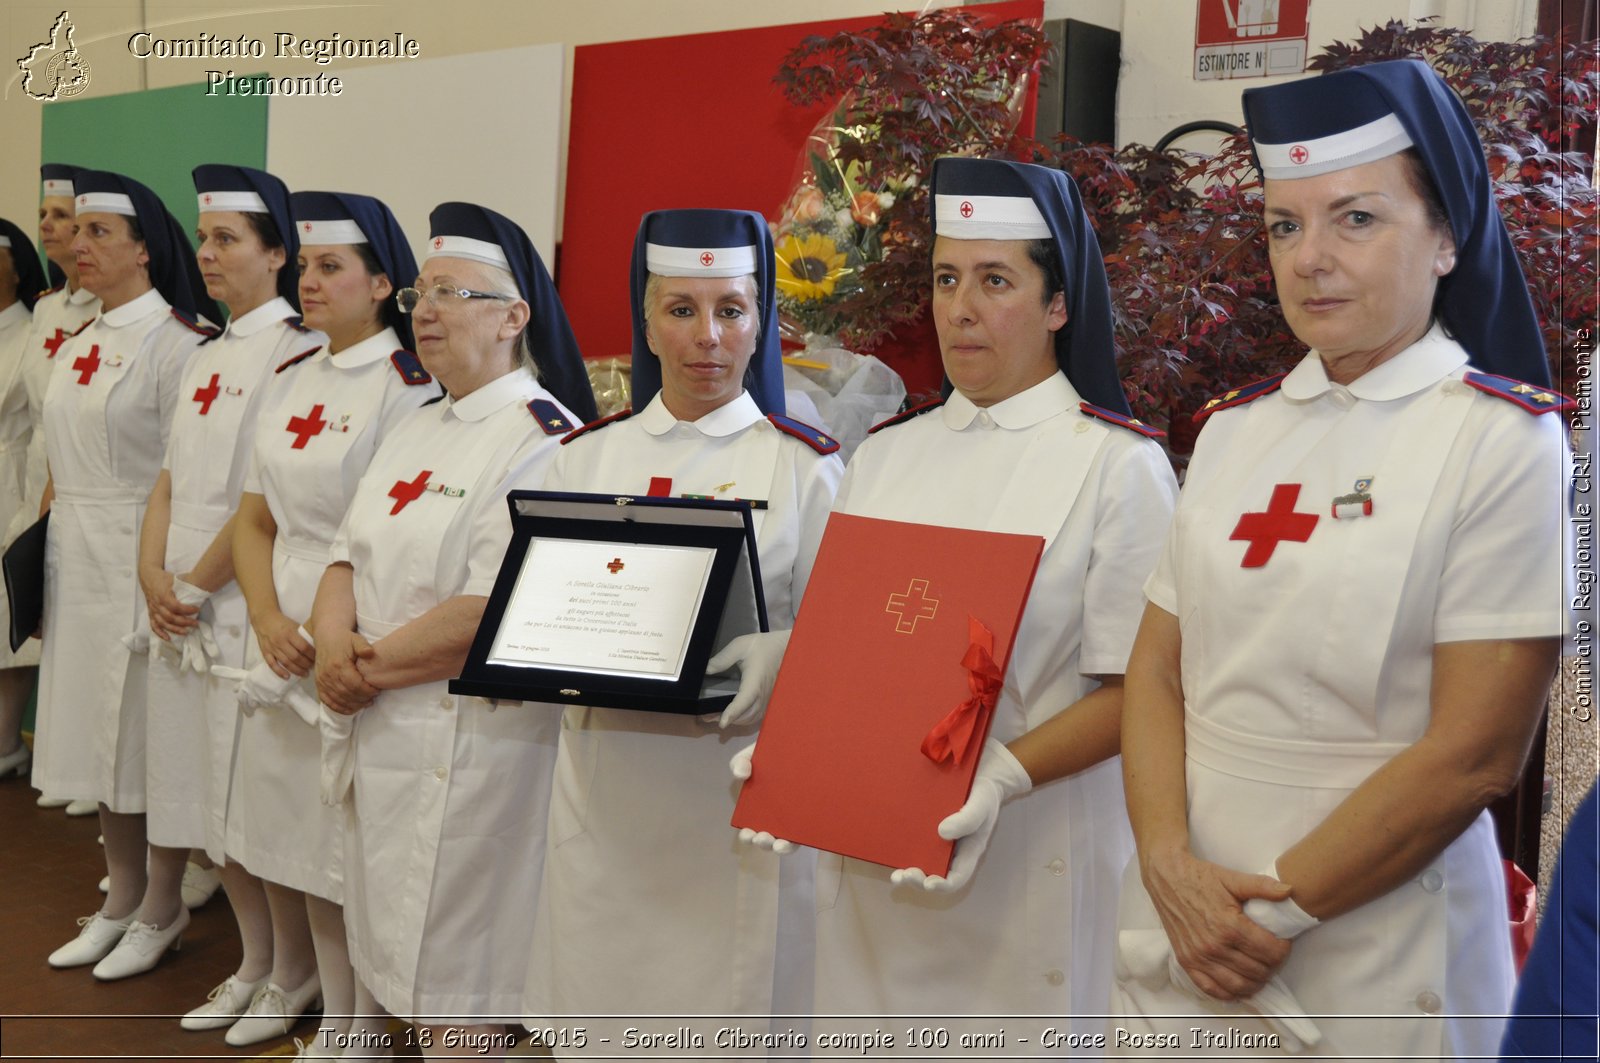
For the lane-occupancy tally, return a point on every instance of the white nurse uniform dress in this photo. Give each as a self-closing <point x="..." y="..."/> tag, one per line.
<point x="1031" y="932"/>
<point x="314" y="440"/>
<point x="193" y="717"/>
<point x="1305" y="673"/>
<point x="445" y="828"/>
<point x="107" y="415"/>
<point x="651" y="905"/>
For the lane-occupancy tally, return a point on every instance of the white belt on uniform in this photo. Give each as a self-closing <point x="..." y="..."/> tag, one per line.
<point x="200" y="518"/>
<point x="101" y="496"/>
<point x="1282" y="761"/>
<point x="304" y="549"/>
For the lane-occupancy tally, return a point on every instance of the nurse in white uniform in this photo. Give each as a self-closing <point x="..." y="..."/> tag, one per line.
<point x="649" y="905"/>
<point x="57" y="314"/>
<point x="317" y="434"/>
<point x="21" y="283"/>
<point x="186" y="557"/>
<point x="107" y="418"/>
<point x="1036" y="439"/>
<point x="446" y="815"/>
<point x="1352" y="630"/>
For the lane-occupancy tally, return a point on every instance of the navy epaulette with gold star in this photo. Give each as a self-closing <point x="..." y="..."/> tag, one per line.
<point x="550" y="417"/>
<point x="1240" y="396"/>
<point x="297" y="359"/>
<point x="1121" y="420"/>
<point x="83" y="326"/>
<point x="906" y="415"/>
<point x="620" y="415"/>
<point x="297" y="323"/>
<point x="194" y="324"/>
<point x="815" y="438"/>
<point x="1530" y="397"/>
<point x="409" y="367"/>
<point x="50" y="291"/>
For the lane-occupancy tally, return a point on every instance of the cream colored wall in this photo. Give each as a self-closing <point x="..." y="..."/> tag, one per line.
<point x="442" y="28"/>
<point x="1156" y="91"/>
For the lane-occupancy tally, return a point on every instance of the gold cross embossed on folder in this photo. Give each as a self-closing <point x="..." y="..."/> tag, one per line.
<point x="911" y="606"/>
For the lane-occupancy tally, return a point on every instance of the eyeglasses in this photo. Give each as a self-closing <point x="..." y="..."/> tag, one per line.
<point x="440" y="295"/>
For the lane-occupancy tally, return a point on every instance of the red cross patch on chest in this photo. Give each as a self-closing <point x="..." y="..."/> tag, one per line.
<point x="207" y="395"/>
<point x="86" y="364"/>
<point x="1279" y="523"/>
<point x="53" y="344"/>
<point x="404" y="492"/>
<point x="305" y="427"/>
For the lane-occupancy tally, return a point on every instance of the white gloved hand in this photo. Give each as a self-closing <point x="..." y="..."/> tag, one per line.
<point x="198" y="646"/>
<point x="139" y="639"/>
<point x="740" y="765"/>
<point x="1000" y="777"/>
<point x="199" y="649"/>
<point x="262" y="688"/>
<point x="1146" y="956"/>
<point x="757" y="657"/>
<point x="338" y="756"/>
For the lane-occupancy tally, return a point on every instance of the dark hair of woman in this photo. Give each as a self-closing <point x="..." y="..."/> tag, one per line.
<point x="388" y="311"/>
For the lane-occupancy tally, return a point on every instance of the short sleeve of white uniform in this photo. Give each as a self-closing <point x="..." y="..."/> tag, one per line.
<point x="819" y="482"/>
<point x="1504" y="575"/>
<point x="490" y="523"/>
<point x="1136" y="496"/>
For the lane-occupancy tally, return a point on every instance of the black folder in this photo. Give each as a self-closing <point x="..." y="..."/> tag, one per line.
<point x="24" y="572"/>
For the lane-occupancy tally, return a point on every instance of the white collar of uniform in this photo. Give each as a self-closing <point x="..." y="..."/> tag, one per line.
<point x="725" y="420"/>
<point x="1421" y="365"/>
<point x="81" y="296"/>
<point x="268" y="313"/>
<point x="145" y="305"/>
<point x="369" y="350"/>
<point x="1023" y="410"/>
<point x="14" y="314"/>
<point x="495" y="395"/>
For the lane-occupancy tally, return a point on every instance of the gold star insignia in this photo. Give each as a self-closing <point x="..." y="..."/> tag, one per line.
<point x="1544" y="397"/>
<point x="1524" y="389"/>
<point x="1232" y="394"/>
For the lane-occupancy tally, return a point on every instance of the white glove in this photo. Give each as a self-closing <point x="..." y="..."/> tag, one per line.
<point x="1000" y="777"/>
<point x="138" y="640"/>
<point x="741" y="767"/>
<point x="197" y="648"/>
<point x="757" y="656"/>
<point x="262" y="688"/>
<point x="1146" y="956"/>
<point x="1284" y="919"/>
<point x="338" y="756"/>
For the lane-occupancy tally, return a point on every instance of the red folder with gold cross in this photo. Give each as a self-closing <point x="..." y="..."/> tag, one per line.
<point x="880" y="709"/>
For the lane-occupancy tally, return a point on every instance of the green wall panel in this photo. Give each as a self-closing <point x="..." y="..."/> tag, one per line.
<point x="158" y="136"/>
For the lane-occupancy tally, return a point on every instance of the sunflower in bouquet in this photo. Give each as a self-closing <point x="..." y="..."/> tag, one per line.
<point x="852" y="238"/>
<point x="828" y="233"/>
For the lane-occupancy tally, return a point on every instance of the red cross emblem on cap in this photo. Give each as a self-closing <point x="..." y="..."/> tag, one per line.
<point x="706" y="258"/>
<point x="1298" y="154"/>
<point x="966" y="208"/>
<point x="207" y="197"/>
<point x="438" y="242"/>
<point x="83" y="200"/>
<point x="306" y="226"/>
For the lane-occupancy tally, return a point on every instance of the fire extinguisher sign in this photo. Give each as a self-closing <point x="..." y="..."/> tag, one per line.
<point x="1250" y="38"/>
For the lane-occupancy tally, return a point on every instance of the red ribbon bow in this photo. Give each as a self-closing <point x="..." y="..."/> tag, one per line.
<point x="958" y="735"/>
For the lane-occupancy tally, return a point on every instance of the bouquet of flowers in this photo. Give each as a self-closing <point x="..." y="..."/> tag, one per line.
<point x="853" y="237"/>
